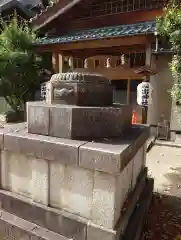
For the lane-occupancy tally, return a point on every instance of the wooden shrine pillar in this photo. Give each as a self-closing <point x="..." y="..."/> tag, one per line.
<point x="128" y="91"/>
<point x="58" y="62"/>
<point x="55" y="62"/>
<point x="148" y="55"/>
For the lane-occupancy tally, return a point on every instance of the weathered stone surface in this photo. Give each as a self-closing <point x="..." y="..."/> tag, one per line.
<point x="85" y="122"/>
<point x="95" y="195"/>
<point x="60" y="122"/>
<point x="4" y="171"/>
<point x="77" y="192"/>
<point x="57" y="176"/>
<point x="138" y="164"/>
<point x="80" y="89"/>
<point x="13" y="178"/>
<point x="97" y="232"/>
<point x="77" y="77"/>
<point x="104" y="197"/>
<point x="67" y="224"/>
<point x="109" y="194"/>
<point x="15" y="228"/>
<point x="40" y="181"/>
<point x="44" y="147"/>
<point x="67" y="191"/>
<point x="57" y="221"/>
<point x="38" y="119"/>
<point x="112" y="155"/>
<point x="9" y="128"/>
<point x="25" y="175"/>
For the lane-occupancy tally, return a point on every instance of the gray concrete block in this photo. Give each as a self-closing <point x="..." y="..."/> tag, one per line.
<point x="57" y="221"/>
<point x="38" y="118"/>
<point x="12" y="176"/>
<point x="112" y="155"/>
<point x="60" y="122"/>
<point x="101" y="122"/>
<point x="104" y="200"/>
<point x="44" y="147"/>
<point x="70" y="121"/>
<point x="77" y="191"/>
<point x="15" y="228"/>
<point x="97" y="232"/>
<point x="40" y="181"/>
<point x="9" y="128"/>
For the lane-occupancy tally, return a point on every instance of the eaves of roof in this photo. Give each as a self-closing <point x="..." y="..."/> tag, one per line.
<point x="141" y="28"/>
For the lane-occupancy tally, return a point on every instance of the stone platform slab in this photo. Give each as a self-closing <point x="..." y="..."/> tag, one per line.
<point x="52" y="169"/>
<point x="74" y="122"/>
<point x="69" y="225"/>
<point x="106" y="155"/>
<point x="15" y="228"/>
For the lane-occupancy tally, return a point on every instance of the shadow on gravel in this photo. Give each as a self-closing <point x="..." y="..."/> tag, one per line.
<point x="164" y="218"/>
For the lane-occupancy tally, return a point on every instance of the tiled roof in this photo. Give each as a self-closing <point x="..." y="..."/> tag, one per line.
<point x="8" y="4"/>
<point x="51" y="12"/>
<point x="102" y="33"/>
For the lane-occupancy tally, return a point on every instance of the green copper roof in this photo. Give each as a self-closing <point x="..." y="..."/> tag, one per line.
<point x="102" y="33"/>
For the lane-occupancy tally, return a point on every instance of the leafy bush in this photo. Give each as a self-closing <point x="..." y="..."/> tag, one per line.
<point x="169" y="27"/>
<point x="21" y="68"/>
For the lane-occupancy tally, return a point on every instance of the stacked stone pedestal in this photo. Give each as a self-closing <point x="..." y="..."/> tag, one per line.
<point x="78" y="170"/>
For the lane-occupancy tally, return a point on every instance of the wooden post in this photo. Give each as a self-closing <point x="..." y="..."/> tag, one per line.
<point x="55" y="62"/>
<point x="128" y="91"/>
<point x="61" y="63"/>
<point x="148" y="55"/>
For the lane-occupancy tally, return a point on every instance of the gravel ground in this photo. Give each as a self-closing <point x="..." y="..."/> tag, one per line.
<point x="164" y="219"/>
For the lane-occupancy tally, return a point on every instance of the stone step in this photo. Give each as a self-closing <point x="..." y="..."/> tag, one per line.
<point x="58" y="221"/>
<point x="15" y="228"/>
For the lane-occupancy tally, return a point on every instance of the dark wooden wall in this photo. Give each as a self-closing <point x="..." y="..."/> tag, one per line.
<point x="65" y="24"/>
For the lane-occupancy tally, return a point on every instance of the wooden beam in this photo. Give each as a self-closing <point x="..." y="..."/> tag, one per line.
<point x="113" y="51"/>
<point x="91" y="44"/>
<point x="102" y="21"/>
<point x="117" y="73"/>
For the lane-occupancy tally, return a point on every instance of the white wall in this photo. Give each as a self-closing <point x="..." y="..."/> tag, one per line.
<point x="175" y="124"/>
<point x="162" y="84"/>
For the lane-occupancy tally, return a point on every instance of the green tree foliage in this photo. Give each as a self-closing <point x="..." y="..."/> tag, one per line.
<point x="21" y="68"/>
<point x="169" y="27"/>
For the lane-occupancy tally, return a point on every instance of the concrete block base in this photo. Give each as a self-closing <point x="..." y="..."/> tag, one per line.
<point x="46" y="171"/>
<point x="74" y="122"/>
<point x="26" y="219"/>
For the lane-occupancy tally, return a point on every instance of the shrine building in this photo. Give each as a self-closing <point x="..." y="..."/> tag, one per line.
<point x="115" y="38"/>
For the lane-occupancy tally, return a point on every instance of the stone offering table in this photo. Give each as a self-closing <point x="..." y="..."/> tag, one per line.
<point x="78" y="169"/>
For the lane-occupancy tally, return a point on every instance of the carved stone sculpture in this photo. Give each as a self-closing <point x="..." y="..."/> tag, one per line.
<point x="79" y="89"/>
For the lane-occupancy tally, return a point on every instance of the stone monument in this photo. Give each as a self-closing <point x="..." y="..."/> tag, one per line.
<point x="78" y="170"/>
